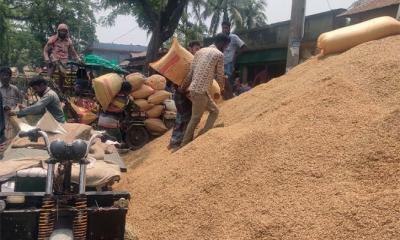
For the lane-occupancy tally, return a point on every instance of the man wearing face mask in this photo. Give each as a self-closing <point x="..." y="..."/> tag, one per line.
<point x="57" y="52"/>
<point x="49" y="101"/>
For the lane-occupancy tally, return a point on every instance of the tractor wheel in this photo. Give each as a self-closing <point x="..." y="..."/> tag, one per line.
<point x="137" y="137"/>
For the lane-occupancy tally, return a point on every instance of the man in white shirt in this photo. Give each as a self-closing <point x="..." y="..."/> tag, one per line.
<point x="231" y="53"/>
<point x="207" y="65"/>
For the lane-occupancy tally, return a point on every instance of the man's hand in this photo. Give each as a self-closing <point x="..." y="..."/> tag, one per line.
<point x="21" y="107"/>
<point x="12" y="113"/>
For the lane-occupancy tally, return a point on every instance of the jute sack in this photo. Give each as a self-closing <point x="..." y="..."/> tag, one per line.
<point x="106" y="87"/>
<point x="136" y="80"/>
<point x="143" y="92"/>
<point x="85" y="115"/>
<point x="157" y="82"/>
<point x="155" y="125"/>
<point x="159" y="97"/>
<point x="143" y="104"/>
<point x="345" y="38"/>
<point x="156" y="111"/>
<point x="175" y="65"/>
<point x="215" y="92"/>
<point x="170" y="105"/>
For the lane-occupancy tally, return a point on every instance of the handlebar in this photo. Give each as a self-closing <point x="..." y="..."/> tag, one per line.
<point x="34" y="135"/>
<point x="61" y="151"/>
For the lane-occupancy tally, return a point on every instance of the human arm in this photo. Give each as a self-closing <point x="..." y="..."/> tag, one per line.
<point x="37" y="108"/>
<point x="188" y="79"/>
<point x="241" y="47"/>
<point x="46" y="51"/>
<point x="73" y="52"/>
<point x="219" y="72"/>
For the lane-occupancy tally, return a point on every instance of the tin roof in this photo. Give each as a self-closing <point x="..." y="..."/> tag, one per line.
<point x="368" y="5"/>
<point x="117" y="47"/>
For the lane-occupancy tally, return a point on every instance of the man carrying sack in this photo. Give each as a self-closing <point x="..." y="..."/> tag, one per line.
<point x="208" y="63"/>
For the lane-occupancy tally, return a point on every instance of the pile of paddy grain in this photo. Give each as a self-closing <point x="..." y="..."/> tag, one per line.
<point x="310" y="155"/>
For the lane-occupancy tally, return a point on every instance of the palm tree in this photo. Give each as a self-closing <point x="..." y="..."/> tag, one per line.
<point x="243" y="14"/>
<point x="252" y="15"/>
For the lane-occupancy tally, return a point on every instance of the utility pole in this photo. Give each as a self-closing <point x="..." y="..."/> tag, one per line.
<point x="296" y="33"/>
<point x="398" y="13"/>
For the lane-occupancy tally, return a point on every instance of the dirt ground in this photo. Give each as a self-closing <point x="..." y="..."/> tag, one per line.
<point x="310" y="155"/>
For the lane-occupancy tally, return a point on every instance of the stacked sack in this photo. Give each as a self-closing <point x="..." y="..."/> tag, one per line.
<point x="149" y="96"/>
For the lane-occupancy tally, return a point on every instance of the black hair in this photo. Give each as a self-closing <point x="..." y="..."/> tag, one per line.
<point x="126" y="87"/>
<point x="36" y="81"/>
<point x="222" y="38"/>
<point x="194" y="43"/>
<point x="226" y="23"/>
<point x="6" y="70"/>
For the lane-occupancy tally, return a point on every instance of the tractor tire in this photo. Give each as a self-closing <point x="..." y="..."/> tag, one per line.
<point x="137" y="137"/>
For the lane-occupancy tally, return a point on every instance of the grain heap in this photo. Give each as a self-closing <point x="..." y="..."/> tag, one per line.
<point x="310" y="155"/>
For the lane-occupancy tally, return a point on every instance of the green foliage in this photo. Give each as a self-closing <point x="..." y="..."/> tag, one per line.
<point x="243" y="14"/>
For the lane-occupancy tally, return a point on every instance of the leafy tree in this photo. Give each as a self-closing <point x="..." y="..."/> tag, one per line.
<point x="243" y="14"/>
<point x="161" y="18"/>
<point x="191" y="26"/>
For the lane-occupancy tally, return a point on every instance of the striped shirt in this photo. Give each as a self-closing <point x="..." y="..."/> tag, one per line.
<point x="207" y="65"/>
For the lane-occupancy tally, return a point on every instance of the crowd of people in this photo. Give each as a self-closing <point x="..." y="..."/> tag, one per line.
<point x="191" y="98"/>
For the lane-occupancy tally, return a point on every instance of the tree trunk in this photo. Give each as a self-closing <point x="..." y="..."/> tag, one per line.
<point x="153" y="49"/>
<point x="163" y="28"/>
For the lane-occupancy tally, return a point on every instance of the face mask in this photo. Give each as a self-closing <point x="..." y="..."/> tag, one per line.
<point x="62" y="35"/>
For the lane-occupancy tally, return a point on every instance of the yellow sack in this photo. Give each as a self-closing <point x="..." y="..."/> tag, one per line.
<point x="136" y="80"/>
<point x="143" y="104"/>
<point x="345" y="38"/>
<point x="143" y="92"/>
<point x="157" y="82"/>
<point x="106" y="87"/>
<point x="159" y="97"/>
<point x="85" y="116"/>
<point x="215" y="92"/>
<point x="175" y="65"/>
<point x="155" y="125"/>
<point x="155" y="112"/>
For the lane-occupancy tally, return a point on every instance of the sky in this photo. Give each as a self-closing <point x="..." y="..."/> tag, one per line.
<point x="126" y="31"/>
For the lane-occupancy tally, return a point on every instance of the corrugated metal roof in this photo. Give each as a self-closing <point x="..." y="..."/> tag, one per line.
<point x="368" y="5"/>
<point x="118" y="47"/>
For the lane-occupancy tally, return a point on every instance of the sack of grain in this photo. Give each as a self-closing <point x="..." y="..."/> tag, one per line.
<point x="170" y="105"/>
<point x="157" y="82"/>
<point x="345" y="38"/>
<point x="155" y="125"/>
<point x="175" y="65"/>
<point x="143" y="92"/>
<point x="143" y="105"/>
<point x="136" y="80"/>
<point x="155" y="112"/>
<point x="215" y="92"/>
<point x="106" y="87"/>
<point x="169" y="115"/>
<point x="85" y="115"/>
<point x="159" y="97"/>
